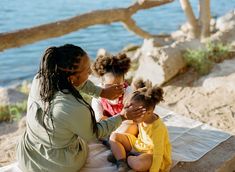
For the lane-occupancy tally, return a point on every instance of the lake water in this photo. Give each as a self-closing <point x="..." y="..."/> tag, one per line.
<point x="22" y="63"/>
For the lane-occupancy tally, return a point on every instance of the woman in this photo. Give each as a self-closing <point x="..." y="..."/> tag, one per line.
<point x="59" y="121"/>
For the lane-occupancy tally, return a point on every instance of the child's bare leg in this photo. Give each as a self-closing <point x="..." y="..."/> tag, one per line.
<point x="142" y="162"/>
<point x="119" y="145"/>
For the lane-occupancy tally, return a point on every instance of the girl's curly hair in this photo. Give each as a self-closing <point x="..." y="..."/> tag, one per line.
<point x="117" y="65"/>
<point x="146" y="93"/>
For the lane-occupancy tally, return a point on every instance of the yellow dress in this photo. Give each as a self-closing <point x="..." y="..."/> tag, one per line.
<point x="153" y="138"/>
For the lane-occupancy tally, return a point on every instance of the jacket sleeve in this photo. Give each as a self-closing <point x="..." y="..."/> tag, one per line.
<point x="90" y="88"/>
<point x="158" y="150"/>
<point x="107" y="126"/>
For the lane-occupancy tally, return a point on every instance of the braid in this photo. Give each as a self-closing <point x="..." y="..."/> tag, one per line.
<point x="52" y="79"/>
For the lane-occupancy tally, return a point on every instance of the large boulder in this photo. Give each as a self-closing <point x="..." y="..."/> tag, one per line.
<point x="226" y="22"/>
<point x="160" y="64"/>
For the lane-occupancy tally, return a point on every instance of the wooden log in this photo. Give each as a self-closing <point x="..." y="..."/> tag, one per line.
<point x="30" y="35"/>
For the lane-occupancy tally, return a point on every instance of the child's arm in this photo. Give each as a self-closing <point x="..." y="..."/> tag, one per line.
<point x="98" y="109"/>
<point x="158" y="150"/>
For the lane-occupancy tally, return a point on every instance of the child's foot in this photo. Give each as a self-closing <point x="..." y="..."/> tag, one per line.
<point x="105" y="142"/>
<point x="122" y="166"/>
<point x="111" y="158"/>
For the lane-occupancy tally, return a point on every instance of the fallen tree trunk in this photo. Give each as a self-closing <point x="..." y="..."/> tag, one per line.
<point x="60" y="28"/>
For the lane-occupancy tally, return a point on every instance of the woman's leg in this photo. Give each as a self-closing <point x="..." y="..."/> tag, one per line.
<point x="119" y="145"/>
<point x="142" y="162"/>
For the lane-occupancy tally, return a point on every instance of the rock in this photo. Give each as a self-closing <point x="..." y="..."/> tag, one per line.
<point x="9" y="96"/>
<point x="221" y="76"/>
<point x="213" y="25"/>
<point x="185" y="27"/>
<point x="178" y="35"/>
<point x="226" y="22"/>
<point x="161" y="64"/>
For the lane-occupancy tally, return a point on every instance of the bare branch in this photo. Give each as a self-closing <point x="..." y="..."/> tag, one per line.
<point x="204" y="18"/>
<point x="185" y="4"/>
<point x="131" y="25"/>
<point x="60" y="28"/>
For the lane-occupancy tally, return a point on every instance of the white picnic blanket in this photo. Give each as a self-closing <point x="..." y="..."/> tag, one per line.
<point x="190" y="140"/>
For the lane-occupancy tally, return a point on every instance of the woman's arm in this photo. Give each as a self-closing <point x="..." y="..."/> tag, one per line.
<point x="90" y="88"/>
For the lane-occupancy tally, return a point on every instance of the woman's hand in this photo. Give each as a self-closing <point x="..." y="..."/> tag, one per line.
<point x="131" y="112"/>
<point x="112" y="92"/>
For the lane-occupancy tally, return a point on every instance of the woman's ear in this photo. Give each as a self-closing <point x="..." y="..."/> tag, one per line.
<point x="71" y="78"/>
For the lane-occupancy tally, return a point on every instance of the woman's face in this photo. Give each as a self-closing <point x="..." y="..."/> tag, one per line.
<point x="109" y="79"/>
<point x="82" y="72"/>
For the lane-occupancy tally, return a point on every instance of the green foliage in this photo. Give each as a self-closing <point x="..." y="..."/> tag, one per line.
<point x="12" y="112"/>
<point x="199" y="60"/>
<point x="202" y="60"/>
<point x="218" y="51"/>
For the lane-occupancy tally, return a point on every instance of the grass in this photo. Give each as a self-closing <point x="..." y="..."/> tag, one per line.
<point x="202" y="60"/>
<point x="15" y="111"/>
<point x="12" y="112"/>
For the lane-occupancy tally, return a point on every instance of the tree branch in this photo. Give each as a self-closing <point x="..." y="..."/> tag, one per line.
<point x="204" y="18"/>
<point x="30" y="35"/>
<point x="185" y="4"/>
<point x="130" y="24"/>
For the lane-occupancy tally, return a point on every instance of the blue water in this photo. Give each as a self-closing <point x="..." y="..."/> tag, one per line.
<point x="22" y="63"/>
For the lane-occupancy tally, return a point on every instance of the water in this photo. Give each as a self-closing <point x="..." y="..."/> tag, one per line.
<point x="20" y="64"/>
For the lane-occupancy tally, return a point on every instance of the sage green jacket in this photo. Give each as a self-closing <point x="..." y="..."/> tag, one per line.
<point x="66" y="149"/>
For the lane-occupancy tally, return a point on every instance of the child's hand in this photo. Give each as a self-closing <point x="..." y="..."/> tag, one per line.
<point x="112" y="92"/>
<point x="132" y="112"/>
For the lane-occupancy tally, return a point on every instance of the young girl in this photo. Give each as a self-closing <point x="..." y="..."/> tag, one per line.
<point x="112" y="70"/>
<point x="151" y="150"/>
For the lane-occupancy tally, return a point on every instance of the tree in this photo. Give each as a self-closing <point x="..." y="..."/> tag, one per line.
<point x="199" y="28"/>
<point x="60" y="28"/>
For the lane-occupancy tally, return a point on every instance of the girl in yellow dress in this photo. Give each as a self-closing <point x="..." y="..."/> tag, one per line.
<point x="151" y="149"/>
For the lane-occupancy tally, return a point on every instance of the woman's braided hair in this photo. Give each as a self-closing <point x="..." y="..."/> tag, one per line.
<point x="53" y="79"/>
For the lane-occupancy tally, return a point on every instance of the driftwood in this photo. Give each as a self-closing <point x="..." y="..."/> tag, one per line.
<point x="30" y="35"/>
<point x="185" y="4"/>
<point x="199" y="28"/>
<point x="204" y="18"/>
